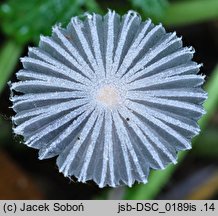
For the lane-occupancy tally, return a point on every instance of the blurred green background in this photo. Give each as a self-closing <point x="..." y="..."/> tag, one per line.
<point x="23" y="176"/>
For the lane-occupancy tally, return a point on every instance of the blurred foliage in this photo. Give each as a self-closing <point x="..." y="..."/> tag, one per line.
<point x="190" y="11"/>
<point x="209" y="138"/>
<point x="10" y="52"/>
<point x="25" y="20"/>
<point x="37" y="16"/>
<point x="152" y="8"/>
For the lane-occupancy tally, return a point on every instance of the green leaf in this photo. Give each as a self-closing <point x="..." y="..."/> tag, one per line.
<point x="26" y="20"/>
<point x="189" y="12"/>
<point x="207" y="145"/>
<point x="9" y="55"/>
<point x="150" y="8"/>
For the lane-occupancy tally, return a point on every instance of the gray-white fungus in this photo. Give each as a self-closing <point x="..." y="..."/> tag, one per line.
<point x="112" y="96"/>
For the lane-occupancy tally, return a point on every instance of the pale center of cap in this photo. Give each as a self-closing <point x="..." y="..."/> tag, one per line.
<point x="108" y="95"/>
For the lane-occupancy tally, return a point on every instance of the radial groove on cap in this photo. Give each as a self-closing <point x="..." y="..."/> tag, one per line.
<point x="111" y="96"/>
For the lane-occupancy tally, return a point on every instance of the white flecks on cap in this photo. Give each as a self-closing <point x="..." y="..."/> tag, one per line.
<point x="112" y="96"/>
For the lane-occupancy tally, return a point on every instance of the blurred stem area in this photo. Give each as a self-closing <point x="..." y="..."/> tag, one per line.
<point x="23" y="176"/>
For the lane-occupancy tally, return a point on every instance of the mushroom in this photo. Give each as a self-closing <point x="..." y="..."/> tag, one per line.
<point x="112" y="96"/>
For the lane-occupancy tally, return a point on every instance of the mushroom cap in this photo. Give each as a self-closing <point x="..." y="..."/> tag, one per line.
<point x="112" y="96"/>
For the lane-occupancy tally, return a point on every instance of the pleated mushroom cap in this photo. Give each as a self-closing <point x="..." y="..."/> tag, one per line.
<point x="111" y="96"/>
